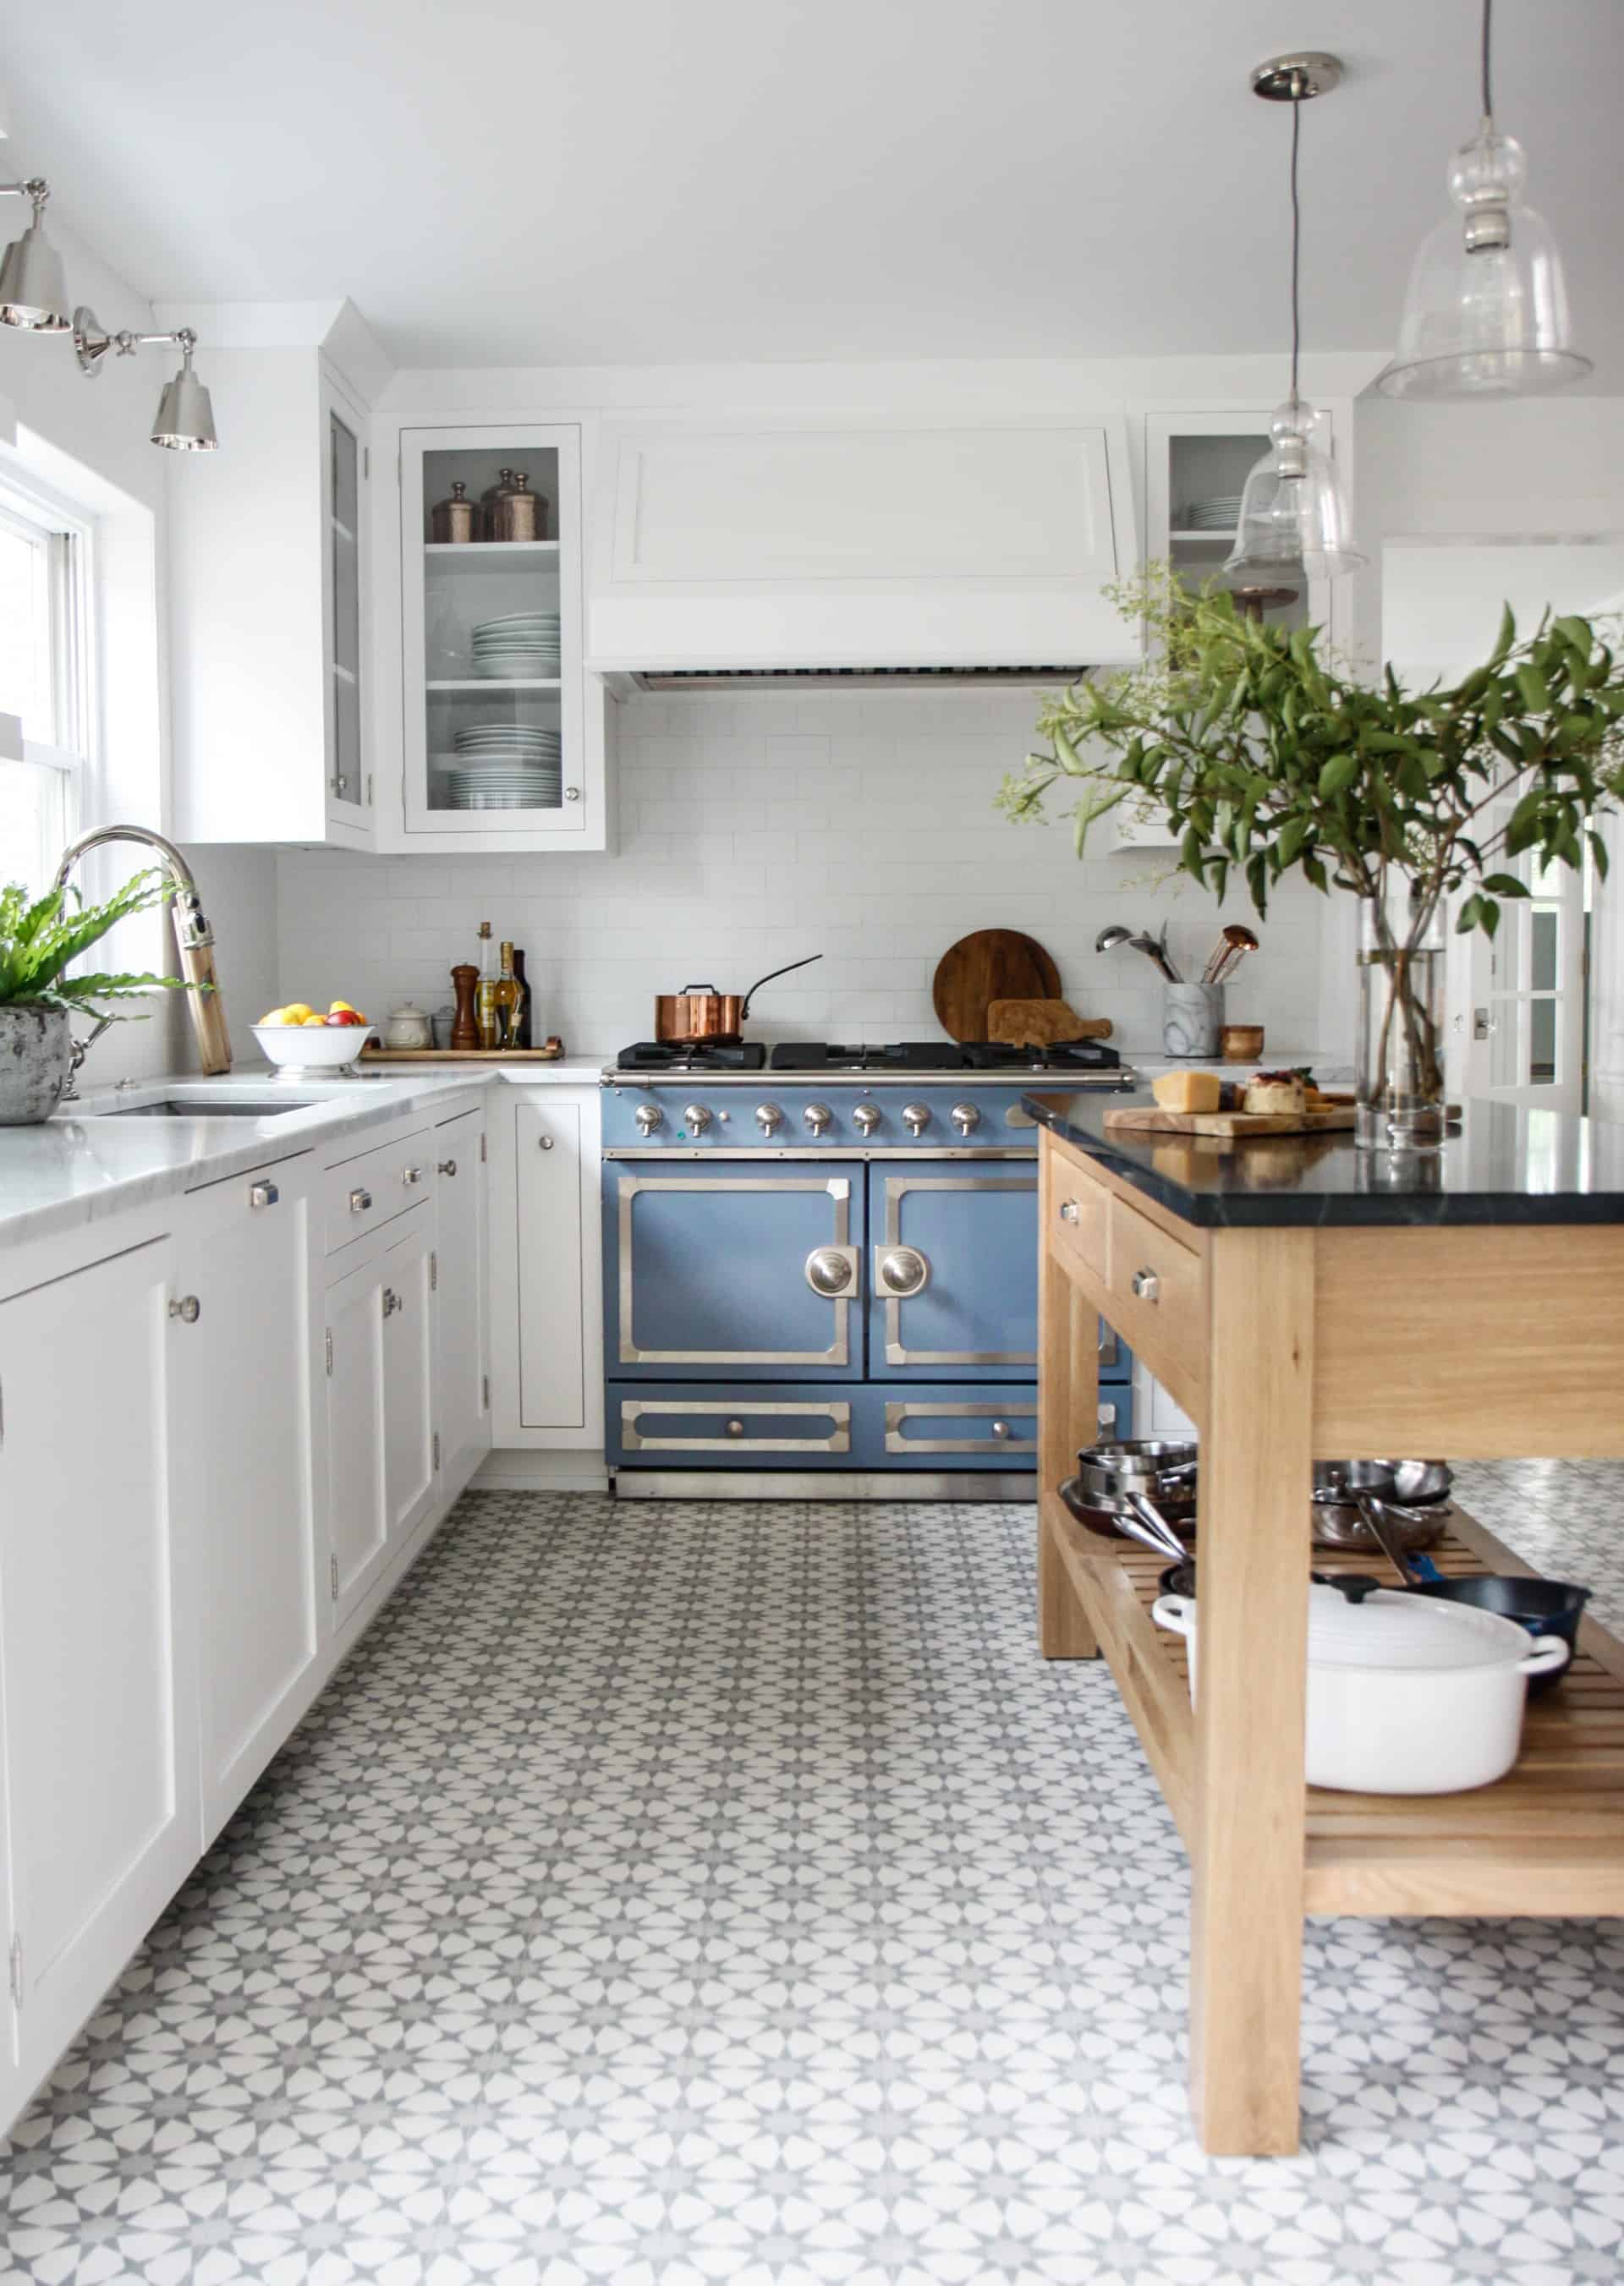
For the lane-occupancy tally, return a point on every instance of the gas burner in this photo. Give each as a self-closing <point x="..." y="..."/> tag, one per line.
<point x="692" y="1056"/>
<point x="897" y="1056"/>
<point x="1059" y="1055"/>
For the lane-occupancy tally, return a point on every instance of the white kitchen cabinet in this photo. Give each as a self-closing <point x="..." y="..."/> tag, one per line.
<point x="379" y="1360"/>
<point x="456" y="698"/>
<point x="546" y="1369"/>
<point x="268" y="580"/>
<point x="95" y="1635"/>
<point x="241" y="1433"/>
<point x="462" y="1411"/>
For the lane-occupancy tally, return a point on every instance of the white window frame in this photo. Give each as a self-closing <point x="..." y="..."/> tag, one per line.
<point x="32" y="509"/>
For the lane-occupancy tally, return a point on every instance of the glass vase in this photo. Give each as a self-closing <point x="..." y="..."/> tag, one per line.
<point x="1400" y="1100"/>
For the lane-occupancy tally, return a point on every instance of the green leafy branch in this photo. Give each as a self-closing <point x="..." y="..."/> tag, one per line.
<point x="39" y="938"/>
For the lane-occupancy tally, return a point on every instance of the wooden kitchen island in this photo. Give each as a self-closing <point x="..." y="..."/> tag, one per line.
<point x="1303" y="1299"/>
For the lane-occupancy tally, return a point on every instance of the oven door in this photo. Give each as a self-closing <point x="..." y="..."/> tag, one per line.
<point x="719" y="1269"/>
<point x="953" y="1270"/>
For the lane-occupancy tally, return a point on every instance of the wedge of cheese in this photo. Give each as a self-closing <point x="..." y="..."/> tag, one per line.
<point x="1187" y="1091"/>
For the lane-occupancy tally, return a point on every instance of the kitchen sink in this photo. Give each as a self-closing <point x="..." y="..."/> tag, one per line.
<point x="213" y="1108"/>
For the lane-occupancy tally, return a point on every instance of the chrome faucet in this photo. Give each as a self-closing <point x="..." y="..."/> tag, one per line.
<point x="194" y="937"/>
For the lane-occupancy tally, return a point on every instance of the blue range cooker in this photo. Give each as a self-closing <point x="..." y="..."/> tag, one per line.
<point x="820" y="1272"/>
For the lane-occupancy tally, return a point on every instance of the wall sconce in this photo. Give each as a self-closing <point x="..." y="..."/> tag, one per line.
<point x="33" y="287"/>
<point x="185" y="418"/>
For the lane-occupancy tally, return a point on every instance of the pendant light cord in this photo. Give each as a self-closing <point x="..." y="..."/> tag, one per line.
<point x="1488" y="95"/>
<point x="1296" y="228"/>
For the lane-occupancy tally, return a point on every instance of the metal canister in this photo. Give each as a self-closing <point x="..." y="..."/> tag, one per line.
<point x="454" y="520"/>
<point x="519" y="514"/>
<point x="487" y="502"/>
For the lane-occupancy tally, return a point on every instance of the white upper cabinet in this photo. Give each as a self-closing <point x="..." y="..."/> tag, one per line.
<point x="268" y="597"/>
<point x="766" y="541"/>
<point x="503" y="734"/>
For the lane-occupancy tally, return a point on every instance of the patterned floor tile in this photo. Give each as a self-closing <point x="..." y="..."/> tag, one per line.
<point x="702" y="1894"/>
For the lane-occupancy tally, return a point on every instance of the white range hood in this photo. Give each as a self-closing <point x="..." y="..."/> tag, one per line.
<point x="770" y="552"/>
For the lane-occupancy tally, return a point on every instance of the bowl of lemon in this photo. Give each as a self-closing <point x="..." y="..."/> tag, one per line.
<point x="303" y="1043"/>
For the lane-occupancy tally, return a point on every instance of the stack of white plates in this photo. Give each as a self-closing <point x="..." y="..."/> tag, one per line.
<point x="1204" y="515"/>
<point x="523" y="646"/>
<point x="505" y="766"/>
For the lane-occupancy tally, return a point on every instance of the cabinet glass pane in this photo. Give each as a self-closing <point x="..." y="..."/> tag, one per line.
<point x="1207" y="476"/>
<point x="344" y="630"/>
<point x="494" y="703"/>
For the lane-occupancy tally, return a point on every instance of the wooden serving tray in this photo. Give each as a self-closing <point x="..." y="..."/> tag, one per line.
<point x="460" y="1055"/>
<point x="1149" y="1121"/>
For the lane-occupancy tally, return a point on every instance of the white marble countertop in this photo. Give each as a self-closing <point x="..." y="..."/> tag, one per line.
<point x="80" y="1166"/>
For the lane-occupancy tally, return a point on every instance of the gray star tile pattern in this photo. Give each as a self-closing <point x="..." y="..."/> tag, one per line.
<point x="679" y="1895"/>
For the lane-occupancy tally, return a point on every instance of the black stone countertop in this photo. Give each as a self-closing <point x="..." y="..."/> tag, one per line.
<point x="1502" y="1165"/>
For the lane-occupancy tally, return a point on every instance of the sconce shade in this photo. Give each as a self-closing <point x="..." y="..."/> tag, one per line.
<point x="185" y="419"/>
<point x="32" y="285"/>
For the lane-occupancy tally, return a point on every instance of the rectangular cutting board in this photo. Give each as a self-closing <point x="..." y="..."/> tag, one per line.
<point x="1234" y="1123"/>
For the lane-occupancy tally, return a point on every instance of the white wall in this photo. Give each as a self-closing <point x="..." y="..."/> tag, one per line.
<point x="753" y="829"/>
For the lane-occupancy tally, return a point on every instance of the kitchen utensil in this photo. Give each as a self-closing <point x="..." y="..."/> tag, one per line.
<point x="1109" y="939"/>
<point x="699" y="1011"/>
<point x="517" y="513"/>
<point x="987" y="966"/>
<point x="1144" y="1510"/>
<point x="308" y="1051"/>
<point x="1162" y="1467"/>
<point x="1168" y="962"/>
<point x="409" y="1028"/>
<point x="1545" y="1607"/>
<point x="1337" y="1523"/>
<point x="1241" y="1043"/>
<point x="1125" y="1521"/>
<point x="1152" y="949"/>
<point x="1192" y="1018"/>
<point x="1405" y="1695"/>
<point x="1374" y="1514"/>
<point x="1415" y="1482"/>
<point x="1346" y="1476"/>
<point x="465" y="983"/>
<point x="454" y="521"/>
<point x="1041" y="1023"/>
<point x="1238" y="941"/>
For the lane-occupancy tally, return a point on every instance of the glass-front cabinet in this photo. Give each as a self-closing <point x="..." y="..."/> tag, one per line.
<point x="344" y="544"/>
<point x="500" y="750"/>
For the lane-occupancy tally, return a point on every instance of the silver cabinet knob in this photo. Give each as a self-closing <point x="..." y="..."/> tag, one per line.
<point x="571" y="793"/>
<point x="1147" y="1285"/>
<point x="446" y="1167"/>
<point x="188" y="1309"/>
<point x="544" y="1142"/>
<point x="817" y="1116"/>
<point x="966" y="1117"/>
<point x="866" y="1119"/>
<point x="900" y="1271"/>
<point x="736" y="1427"/>
<point x="831" y="1270"/>
<point x="696" y="1117"/>
<point x="915" y="1117"/>
<point x="649" y="1117"/>
<point x="768" y="1118"/>
<point x="1069" y="1210"/>
<point x="411" y="1175"/>
<point x="263" y="1194"/>
<point x="1000" y="1428"/>
<point x="360" y="1201"/>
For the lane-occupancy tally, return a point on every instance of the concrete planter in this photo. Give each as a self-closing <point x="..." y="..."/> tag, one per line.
<point x="36" y="1058"/>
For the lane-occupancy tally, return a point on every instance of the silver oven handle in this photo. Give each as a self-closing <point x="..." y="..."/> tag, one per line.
<point x="900" y="1271"/>
<point x="832" y="1271"/>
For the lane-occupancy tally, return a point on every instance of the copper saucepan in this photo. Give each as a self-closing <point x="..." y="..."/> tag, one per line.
<point x="699" y="1013"/>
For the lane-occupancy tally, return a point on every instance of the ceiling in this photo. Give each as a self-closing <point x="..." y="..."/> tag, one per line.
<point x="627" y="181"/>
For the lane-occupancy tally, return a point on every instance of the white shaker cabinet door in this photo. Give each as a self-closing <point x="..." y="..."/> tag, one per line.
<point x="547" y="1166"/>
<point x="101" y="1763"/>
<point x="410" y="1435"/>
<point x="358" y="1509"/>
<point x="241" y="1406"/>
<point x="461" y="1363"/>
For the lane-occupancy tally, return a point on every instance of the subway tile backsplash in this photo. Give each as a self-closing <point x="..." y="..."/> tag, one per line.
<point x="753" y="829"/>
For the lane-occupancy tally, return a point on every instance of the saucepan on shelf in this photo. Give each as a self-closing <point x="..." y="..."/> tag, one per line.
<point x="1412" y="1498"/>
<point x="1142" y="1488"/>
<point x="700" y="1014"/>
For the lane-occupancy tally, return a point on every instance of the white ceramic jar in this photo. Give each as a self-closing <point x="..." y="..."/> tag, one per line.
<point x="1405" y="1695"/>
<point x="409" y="1028"/>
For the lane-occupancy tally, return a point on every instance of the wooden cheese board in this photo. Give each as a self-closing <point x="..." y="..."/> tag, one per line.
<point x="1145" y="1119"/>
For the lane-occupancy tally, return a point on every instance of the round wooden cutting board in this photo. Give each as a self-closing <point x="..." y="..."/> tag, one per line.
<point x="987" y="965"/>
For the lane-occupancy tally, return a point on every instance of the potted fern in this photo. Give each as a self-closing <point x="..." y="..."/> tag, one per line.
<point x="1266" y="758"/>
<point x="39" y="939"/>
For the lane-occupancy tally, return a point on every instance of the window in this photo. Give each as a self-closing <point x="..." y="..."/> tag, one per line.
<point x="44" y="684"/>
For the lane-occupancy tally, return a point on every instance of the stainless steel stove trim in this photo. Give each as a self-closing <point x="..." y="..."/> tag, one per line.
<point x="898" y="1188"/>
<point x="824" y="1151"/>
<point x="836" y="1411"/>
<point x="839" y="1352"/>
<point x="1034" y="1079"/>
<point x="907" y="1409"/>
<point x="823" y="1484"/>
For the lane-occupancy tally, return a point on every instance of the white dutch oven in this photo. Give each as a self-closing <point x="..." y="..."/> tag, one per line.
<point x="1405" y="1695"/>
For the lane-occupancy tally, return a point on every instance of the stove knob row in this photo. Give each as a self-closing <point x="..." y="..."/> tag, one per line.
<point x="697" y="1117"/>
<point x="649" y="1117"/>
<point x="866" y="1119"/>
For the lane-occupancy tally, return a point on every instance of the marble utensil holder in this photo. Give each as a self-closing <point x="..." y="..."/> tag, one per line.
<point x="1192" y="1019"/>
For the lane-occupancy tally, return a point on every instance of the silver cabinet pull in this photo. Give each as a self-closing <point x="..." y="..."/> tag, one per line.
<point x="1069" y="1210"/>
<point x="900" y="1271"/>
<point x="188" y="1309"/>
<point x="360" y="1201"/>
<point x="571" y="793"/>
<point x="544" y="1142"/>
<point x="263" y="1194"/>
<point x="1000" y="1428"/>
<point x="736" y="1427"/>
<point x="410" y="1175"/>
<point x="1147" y="1285"/>
<point x="831" y="1270"/>
<point x="446" y="1167"/>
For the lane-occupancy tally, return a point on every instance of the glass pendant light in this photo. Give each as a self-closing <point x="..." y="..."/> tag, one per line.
<point x="1487" y="310"/>
<point x="1294" y="522"/>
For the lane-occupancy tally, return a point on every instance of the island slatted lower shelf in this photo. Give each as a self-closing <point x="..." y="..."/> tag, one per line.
<point x="1547" y="1838"/>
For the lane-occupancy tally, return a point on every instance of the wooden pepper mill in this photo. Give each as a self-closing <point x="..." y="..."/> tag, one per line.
<point x="465" y="1028"/>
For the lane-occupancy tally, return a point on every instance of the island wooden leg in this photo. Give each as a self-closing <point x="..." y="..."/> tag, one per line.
<point x="1253" y="1557"/>
<point x="1068" y="1413"/>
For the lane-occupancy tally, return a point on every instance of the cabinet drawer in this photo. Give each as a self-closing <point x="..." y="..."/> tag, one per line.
<point x="1158" y="1297"/>
<point x="1077" y="1211"/>
<point x="364" y="1193"/>
<point x="996" y="1428"/>
<point x="649" y="1429"/>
